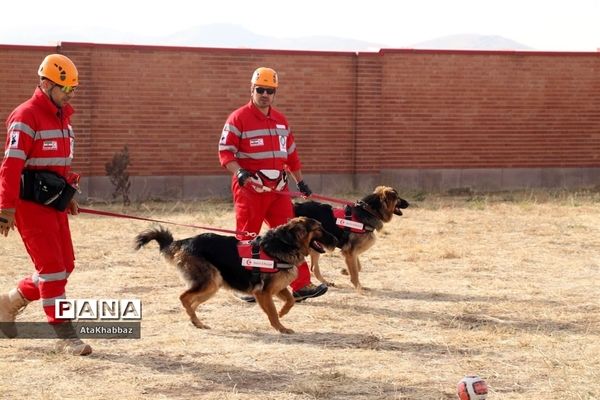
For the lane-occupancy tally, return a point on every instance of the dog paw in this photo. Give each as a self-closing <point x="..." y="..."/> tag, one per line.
<point x="362" y="290"/>
<point x="200" y="325"/>
<point x="285" y="330"/>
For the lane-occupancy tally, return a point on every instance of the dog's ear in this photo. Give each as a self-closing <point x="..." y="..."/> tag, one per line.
<point x="387" y="195"/>
<point x="286" y="235"/>
<point x="293" y="232"/>
<point x="300" y="230"/>
<point x="391" y="196"/>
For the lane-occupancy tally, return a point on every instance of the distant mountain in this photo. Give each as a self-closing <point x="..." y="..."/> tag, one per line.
<point x="226" y="35"/>
<point x="233" y="36"/>
<point x="471" y="42"/>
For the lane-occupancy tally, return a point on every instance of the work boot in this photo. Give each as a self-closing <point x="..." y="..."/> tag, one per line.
<point x="68" y="342"/>
<point x="248" y="298"/>
<point x="310" y="291"/>
<point x="11" y="304"/>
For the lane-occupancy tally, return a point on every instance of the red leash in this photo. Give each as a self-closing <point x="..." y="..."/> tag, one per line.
<point x="208" y="228"/>
<point x="299" y="194"/>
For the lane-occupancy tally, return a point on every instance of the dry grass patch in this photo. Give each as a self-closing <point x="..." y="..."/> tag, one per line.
<point x="506" y="286"/>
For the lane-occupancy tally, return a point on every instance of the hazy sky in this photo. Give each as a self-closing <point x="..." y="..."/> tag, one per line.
<point x="563" y="25"/>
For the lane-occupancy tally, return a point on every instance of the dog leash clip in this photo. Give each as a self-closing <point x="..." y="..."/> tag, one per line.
<point x="251" y="234"/>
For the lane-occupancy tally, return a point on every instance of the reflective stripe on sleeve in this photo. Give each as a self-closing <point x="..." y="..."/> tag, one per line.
<point x="232" y="129"/>
<point x="22" y="127"/>
<point x="15" y="153"/>
<point x="224" y="147"/>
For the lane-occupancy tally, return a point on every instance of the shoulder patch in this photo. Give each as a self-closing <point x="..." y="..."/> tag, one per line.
<point x="282" y="143"/>
<point x="13" y="141"/>
<point x="223" y="138"/>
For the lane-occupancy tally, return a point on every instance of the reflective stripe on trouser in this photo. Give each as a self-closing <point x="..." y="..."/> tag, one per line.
<point x="252" y="208"/>
<point x="45" y="233"/>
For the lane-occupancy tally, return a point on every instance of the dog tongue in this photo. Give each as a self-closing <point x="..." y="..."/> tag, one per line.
<point x="317" y="246"/>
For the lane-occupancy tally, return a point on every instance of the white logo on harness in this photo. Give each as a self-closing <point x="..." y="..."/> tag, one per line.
<point x="257" y="142"/>
<point x="254" y="262"/>
<point x="349" y="224"/>
<point x="50" y="145"/>
<point x="14" y="140"/>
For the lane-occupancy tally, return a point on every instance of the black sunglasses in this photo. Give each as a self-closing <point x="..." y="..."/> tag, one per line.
<point x="261" y="90"/>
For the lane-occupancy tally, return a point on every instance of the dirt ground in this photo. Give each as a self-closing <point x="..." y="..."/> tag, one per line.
<point x="505" y="286"/>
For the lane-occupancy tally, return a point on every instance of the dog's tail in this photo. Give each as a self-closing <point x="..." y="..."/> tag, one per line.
<point x="160" y="234"/>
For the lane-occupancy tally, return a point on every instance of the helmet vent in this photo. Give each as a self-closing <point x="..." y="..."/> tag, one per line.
<point x="61" y="71"/>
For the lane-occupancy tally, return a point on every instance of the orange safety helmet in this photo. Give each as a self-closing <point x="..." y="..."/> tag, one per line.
<point x="60" y="70"/>
<point x="266" y="77"/>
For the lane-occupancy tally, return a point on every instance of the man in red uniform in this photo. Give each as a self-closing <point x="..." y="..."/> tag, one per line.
<point x="257" y="147"/>
<point x="36" y="189"/>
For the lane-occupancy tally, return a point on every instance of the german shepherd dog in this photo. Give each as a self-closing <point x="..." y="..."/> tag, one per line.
<point x="209" y="261"/>
<point x="357" y="231"/>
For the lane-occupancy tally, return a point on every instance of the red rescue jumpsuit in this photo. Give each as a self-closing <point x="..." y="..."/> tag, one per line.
<point x="257" y="142"/>
<point x="40" y="137"/>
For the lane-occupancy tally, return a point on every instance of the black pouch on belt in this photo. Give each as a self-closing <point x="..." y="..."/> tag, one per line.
<point x="47" y="188"/>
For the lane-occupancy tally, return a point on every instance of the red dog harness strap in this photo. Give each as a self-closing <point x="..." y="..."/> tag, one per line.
<point x="345" y="219"/>
<point x="256" y="260"/>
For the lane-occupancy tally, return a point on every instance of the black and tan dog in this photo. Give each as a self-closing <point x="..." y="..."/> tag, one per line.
<point x="209" y="261"/>
<point x="353" y="226"/>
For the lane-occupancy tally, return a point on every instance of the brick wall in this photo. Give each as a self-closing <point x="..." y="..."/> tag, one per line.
<point x="478" y="110"/>
<point x="417" y="118"/>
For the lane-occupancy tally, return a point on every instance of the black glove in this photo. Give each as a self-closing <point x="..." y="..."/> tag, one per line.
<point x="242" y="176"/>
<point x="304" y="189"/>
